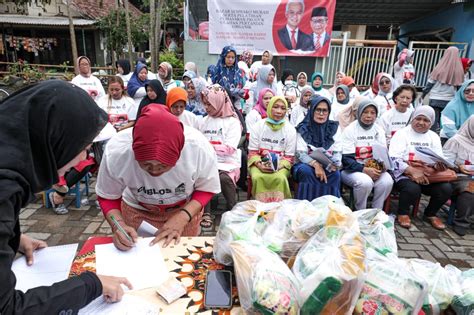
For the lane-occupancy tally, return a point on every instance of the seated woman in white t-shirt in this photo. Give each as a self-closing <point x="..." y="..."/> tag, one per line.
<point x="299" y="111"/>
<point x="136" y="87"/>
<point x="118" y="105"/>
<point x="341" y="101"/>
<point x="123" y="70"/>
<point x="357" y="141"/>
<point x="176" y="103"/>
<point x="317" y="83"/>
<point x="399" y="116"/>
<point x="163" y="173"/>
<point x="86" y="81"/>
<point x="259" y="111"/>
<point x="222" y="128"/>
<point x="411" y="181"/>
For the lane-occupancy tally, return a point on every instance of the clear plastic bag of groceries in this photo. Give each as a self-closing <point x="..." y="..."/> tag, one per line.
<point x="265" y="283"/>
<point x="463" y="304"/>
<point x="390" y="287"/>
<point x="330" y="268"/>
<point x="377" y="228"/>
<point x="443" y="284"/>
<point x="246" y="221"/>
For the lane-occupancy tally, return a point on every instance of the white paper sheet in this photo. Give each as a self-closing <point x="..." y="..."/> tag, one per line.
<point x="129" y="305"/>
<point x="51" y="265"/>
<point x="146" y="229"/>
<point x="143" y="265"/>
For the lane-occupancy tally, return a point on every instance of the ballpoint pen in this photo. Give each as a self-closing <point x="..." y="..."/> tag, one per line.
<point x="121" y="229"/>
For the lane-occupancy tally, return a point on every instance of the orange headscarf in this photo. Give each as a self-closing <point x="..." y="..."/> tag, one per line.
<point x="174" y="95"/>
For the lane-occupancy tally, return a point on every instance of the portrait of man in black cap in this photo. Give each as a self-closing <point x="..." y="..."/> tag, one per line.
<point x="290" y="35"/>
<point x="319" y="22"/>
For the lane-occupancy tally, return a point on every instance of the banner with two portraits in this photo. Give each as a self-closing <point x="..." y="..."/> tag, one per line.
<point x="284" y="27"/>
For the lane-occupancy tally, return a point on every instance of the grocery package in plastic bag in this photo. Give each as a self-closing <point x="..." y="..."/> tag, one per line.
<point x="265" y="283"/>
<point x="377" y="228"/>
<point x="390" y="287"/>
<point x="246" y="221"/>
<point x="443" y="284"/>
<point x="463" y="304"/>
<point x="330" y="268"/>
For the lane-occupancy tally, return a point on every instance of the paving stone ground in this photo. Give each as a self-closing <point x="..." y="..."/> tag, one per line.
<point x="420" y="241"/>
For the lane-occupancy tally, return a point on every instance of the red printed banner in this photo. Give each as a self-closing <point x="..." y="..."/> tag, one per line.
<point x="285" y="27"/>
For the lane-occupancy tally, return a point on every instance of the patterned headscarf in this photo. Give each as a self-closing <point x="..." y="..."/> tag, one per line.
<point x="247" y="57"/>
<point x="303" y="92"/>
<point x="220" y="101"/>
<point x="194" y="104"/>
<point x="227" y="77"/>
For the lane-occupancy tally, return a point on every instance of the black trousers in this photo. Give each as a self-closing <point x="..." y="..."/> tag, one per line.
<point x="410" y="192"/>
<point x="73" y="176"/>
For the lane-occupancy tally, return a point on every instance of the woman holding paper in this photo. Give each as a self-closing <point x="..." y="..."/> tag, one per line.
<point x="222" y="128"/>
<point x="359" y="171"/>
<point x="460" y="150"/>
<point x="44" y="135"/>
<point x="272" y="140"/>
<point x="159" y="172"/>
<point x="410" y="181"/>
<point x="317" y="132"/>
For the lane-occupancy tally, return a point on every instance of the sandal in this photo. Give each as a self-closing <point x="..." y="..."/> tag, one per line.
<point x="435" y="222"/>
<point x="404" y="221"/>
<point x="207" y="221"/>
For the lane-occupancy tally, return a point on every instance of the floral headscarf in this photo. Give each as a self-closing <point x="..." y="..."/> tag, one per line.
<point x="247" y="57"/>
<point x="220" y="101"/>
<point x="194" y="104"/>
<point x="227" y="77"/>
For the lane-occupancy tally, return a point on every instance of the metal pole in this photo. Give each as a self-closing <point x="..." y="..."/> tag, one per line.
<point x="84" y="42"/>
<point x="343" y="52"/>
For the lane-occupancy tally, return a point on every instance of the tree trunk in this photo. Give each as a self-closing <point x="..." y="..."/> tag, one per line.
<point x="158" y="29"/>
<point x="129" y="33"/>
<point x="152" y="38"/>
<point x="72" y="33"/>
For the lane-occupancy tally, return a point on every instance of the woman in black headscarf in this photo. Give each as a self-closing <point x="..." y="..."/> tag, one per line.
<point x="42" y="135"/>
<point x="123" y="70"/>
<point x="155" y="94"/>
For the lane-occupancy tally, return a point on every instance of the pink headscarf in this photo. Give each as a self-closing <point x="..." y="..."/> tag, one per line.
<point x="218" y="98"/>
<point x="449" y="69"/>
<point x="259" y="106"/>
<point x="78" y="67"/>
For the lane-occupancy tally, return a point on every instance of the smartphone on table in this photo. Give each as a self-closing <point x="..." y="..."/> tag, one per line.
<point x="218" y="290"/>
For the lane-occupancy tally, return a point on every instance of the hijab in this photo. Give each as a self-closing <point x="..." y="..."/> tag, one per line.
<point x="195" y="105"/>
<point x="227" y="77"/>
<point x="135" y="83"/>
<point x="348" y="114"/>
<point x="220" y="101"/>
<point x="465" y="140"/>
<point x="190" y="74"/>
<point x="247" y="57"/>
<point x="87" y="75"/>
<point x="335" y="79"/>
<point x="262" y="83"/>
<point x="169" y="71"/>
<point x="174" y="95"/>
<point x="275" y="125"/>
<point x="191" y="66"/>
<point x="259" y="107"/>
<point x="286" y="73"/>
<point x="366" y="102"/>
<point x="392" y="84"/>
<point x="345" y="89"/>
<point x="466" y="63"/>
<point x="449" y="69"/>
<point x="158" y="135"/>
<point x="315" y="134"/>
<point x="458" y="109"/>
<point x="270" y="56"/>
<point x="160" y="96"/>
<point x="426" y="111"/>
<point x="44" y="126"/>
<point x="375" y="84"/>
<point x="124" y="64"/>
<point x="305" y="90"/>
<point x="347" y="80"/>
<point x="314" y="76"/>
<point x="297" y="79"/>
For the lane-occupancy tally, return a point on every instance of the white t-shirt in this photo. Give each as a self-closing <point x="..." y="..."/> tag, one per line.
<point x="393" y="120"/>
<point x="356" y="140"/>
<point x="121" y="176"/>
<point x="384" y="103"/>
<point x="282" y="141"/>
<point x="441" y="91"/>
<point x="252" y="118"/>
<point x="190" y="119"/>
<point x="353" y="93"/>
<point x="225" y="131"/>
<point x="336" y="108"/>
<point x="91" y="85"/>
<point x="405" y="140"/>
<point x="405" y="72"/>
<point x="324" y="93"/>
<point x="125" y="78"/>
<point x="120" y="111"/>
<point x="297" y="114"/>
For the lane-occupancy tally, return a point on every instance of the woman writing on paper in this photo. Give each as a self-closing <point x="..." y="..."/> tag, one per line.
<point x="316" y="131"/>
<point x="159" y="172"/>
<point x="272" y="135"/>
<point x="39" y="151"/>
<point x="411" y="181"/>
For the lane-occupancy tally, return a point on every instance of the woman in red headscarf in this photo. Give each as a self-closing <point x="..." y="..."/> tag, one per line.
<point x="159" y="172"/>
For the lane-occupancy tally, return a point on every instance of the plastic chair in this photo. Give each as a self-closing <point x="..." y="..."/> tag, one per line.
<point x="75" y="190"/>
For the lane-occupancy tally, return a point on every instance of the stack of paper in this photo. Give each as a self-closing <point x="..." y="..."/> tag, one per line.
<point x="430" y="157"/>
<point x="129" y="305"/>
<point x="51" y="265"/>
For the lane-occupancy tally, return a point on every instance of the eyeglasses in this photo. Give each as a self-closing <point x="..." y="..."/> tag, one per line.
<point x="469" y="91"/>
<point x="321" y="111"/>
<point x="383" y="82"/>
<point x="319" y="21"/>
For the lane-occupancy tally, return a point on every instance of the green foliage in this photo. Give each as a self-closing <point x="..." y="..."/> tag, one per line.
<point x="24" y="70"/>
<point x="116" y="33"/>
<point x="173" y="59"/>
<point x="169" y="12"/>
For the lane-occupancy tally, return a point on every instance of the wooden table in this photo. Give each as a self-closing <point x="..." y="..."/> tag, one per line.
<point x="188" y="262"/>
